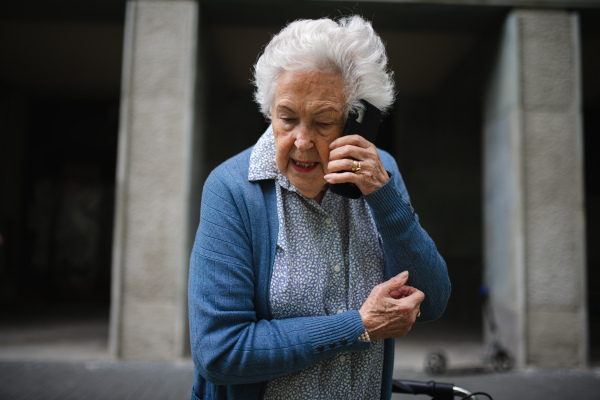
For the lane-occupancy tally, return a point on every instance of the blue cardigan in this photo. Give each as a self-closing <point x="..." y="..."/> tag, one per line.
<point x="236" y="345"/>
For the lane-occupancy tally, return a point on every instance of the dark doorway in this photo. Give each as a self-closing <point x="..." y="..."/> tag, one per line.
<point x="439" y="55"/>
<point x="590" y="64"/>
<point x="59" y="113"/>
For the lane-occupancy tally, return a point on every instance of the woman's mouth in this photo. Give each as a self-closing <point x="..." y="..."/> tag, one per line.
<point x="304" y="166"/>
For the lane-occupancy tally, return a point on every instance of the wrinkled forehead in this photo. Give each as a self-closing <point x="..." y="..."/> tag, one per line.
<point x="317" y="88"/>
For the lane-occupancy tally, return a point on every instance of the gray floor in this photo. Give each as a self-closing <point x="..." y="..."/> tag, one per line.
<point x="65" y="358"/>
<point x="94" y="380"/>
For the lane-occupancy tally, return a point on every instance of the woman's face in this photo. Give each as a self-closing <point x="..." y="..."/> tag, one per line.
<point x="307" y="116"/>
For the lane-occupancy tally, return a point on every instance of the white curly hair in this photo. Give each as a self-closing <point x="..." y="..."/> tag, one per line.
<point x="349" y="47"/>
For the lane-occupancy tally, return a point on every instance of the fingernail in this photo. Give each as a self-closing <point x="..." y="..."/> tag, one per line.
<point x="404" y="274"/>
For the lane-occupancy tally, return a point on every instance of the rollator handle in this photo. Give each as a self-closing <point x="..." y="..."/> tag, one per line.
<point x="437" y="390"/>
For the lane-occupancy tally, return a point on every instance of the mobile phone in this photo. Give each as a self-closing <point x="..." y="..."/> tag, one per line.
<point x="364" y="122"/>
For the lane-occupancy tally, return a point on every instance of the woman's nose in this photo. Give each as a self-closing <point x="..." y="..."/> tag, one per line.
<point x="303" y="138"/>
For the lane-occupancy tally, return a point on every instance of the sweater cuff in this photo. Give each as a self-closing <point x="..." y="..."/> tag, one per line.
<point x="337" y="332"/>
<point x="390" y="210"/>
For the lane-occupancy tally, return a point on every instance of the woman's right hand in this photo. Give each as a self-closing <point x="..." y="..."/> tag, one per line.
<point x="391" y="308"/>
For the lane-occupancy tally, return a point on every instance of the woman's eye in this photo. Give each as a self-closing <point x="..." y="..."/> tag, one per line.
<point x="326" y="125"/>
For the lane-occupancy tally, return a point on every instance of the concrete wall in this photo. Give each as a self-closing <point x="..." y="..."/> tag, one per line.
<point x="151" y="240"/>
<point x="533" y="190"/>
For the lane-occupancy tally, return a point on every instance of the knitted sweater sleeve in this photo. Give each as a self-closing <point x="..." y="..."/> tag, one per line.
<point x="230" y="344"/>
<point x="407" y="246"/>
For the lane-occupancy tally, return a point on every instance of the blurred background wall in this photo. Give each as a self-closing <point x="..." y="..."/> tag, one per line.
<point x="112" y="114"/>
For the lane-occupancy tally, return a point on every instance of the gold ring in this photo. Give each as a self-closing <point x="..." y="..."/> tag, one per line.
<point x="356" y="167"/>
<point x="418" y="312"/>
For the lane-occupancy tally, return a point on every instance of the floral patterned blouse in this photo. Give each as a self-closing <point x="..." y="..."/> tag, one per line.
<point x="328" y="258"/>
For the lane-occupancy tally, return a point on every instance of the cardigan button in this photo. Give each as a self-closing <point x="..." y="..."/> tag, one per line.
<point x="320" y="347"/>
<point x="331" y="345"/>
<point x="344" y="342"/>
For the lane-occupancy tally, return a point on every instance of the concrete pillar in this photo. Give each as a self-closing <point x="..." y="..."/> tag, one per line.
<point x="151" y="240"/>
<point x="533" y="190"/>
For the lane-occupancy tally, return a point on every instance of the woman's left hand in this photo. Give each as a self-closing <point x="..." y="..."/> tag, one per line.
<point x="345" y="151"/>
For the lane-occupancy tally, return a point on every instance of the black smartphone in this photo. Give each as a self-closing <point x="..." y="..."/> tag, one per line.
<point x="364" y="122"/>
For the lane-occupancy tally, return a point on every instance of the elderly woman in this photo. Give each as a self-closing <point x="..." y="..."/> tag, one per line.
<point x="296" y="292"/>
